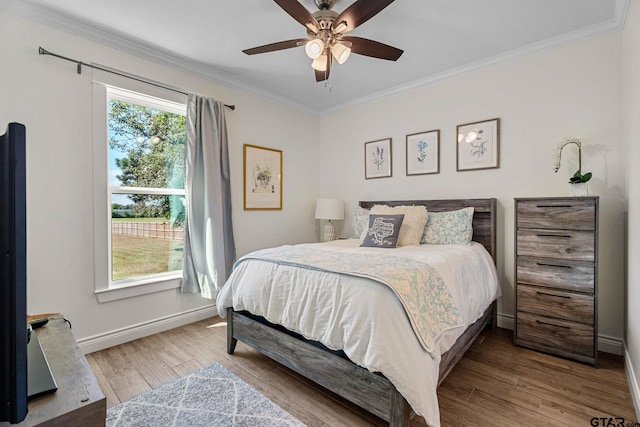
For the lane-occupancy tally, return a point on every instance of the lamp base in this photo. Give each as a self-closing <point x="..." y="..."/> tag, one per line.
<point x="329" y="232"/>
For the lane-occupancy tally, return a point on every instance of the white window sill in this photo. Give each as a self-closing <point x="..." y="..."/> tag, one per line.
<point x="138" y="288"/>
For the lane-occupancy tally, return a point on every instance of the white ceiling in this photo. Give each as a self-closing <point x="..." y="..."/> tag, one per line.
<point x="439" y="38"/>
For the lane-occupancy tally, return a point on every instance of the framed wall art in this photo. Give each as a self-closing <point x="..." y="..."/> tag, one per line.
<point x="262" y="178"/>
<point x="478" y="145"/>
<point x="377" y="159"/>
<point x="423" y="153"/>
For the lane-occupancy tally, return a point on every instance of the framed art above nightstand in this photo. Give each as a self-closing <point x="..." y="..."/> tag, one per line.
<point x="556" y="276"/>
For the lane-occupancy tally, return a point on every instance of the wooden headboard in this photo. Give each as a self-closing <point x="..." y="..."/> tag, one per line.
<point x="484" y="216"/>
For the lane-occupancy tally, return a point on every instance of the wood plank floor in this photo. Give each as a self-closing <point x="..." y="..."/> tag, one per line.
<point x="495" y="383"/>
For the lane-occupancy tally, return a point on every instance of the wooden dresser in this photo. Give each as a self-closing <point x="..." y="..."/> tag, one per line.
<point x="556" y="276"/>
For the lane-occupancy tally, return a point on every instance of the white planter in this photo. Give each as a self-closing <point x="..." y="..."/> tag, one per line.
<point x="580" y="189"/>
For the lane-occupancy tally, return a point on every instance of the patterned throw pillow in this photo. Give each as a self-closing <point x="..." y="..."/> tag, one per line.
<point x="449" y="228"/>
<point x="360" y="221"/>
<point x="383" y="231"/>
<point x="415" y="218"/>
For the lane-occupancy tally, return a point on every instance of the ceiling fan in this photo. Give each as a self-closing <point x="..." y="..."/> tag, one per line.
<point x="325" y="34"/>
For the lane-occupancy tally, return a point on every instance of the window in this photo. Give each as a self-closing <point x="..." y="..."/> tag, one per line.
<point x="146" y="185"/>
<point x="141" y="141"/>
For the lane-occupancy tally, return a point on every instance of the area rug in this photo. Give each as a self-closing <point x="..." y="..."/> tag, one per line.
<point x="211" y="397"/>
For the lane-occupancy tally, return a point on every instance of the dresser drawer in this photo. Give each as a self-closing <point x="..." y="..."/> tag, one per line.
<point x="570" y="214"/>
<point x="555" y="336"/>
<point x="556" y="273"/>
<point x="564" y="244"/>
<point x="557" y="304"/>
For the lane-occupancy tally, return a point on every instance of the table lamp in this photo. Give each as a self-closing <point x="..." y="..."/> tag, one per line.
<point x="329" y="209"/>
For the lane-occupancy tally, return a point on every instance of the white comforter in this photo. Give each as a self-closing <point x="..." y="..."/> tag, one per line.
<point x="363" y="317"/>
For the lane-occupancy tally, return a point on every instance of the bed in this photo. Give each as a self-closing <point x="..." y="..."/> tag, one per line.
<point x="396" y="374"/>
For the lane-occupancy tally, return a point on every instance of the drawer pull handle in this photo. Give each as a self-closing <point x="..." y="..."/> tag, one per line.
<point x="554" y="206"/>
<point x="544" y="264"/>
<point x="551" y="324"/>
<point x="553" y="295"/>
<point x="562" y="236"/>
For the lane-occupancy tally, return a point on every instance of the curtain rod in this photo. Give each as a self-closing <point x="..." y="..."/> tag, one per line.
<point x="79" y="64"/>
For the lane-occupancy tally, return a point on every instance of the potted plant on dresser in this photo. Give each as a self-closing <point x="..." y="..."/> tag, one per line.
<point x="578" y="181"/>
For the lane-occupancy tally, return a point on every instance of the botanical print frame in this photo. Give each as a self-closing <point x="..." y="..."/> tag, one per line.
<point x="262" y="178"/>
<point x="423" y="153"/>
<point x="478" y="145"/>
<point x="377" y="159"/>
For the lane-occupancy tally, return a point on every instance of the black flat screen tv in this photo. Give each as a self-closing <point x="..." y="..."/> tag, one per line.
<point x="13" y="276"/>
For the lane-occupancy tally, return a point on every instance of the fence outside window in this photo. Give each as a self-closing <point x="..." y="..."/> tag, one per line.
<point x="156" y="230"/>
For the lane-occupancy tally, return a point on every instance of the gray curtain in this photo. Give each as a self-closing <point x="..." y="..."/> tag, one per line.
<point x="209" y="247"/>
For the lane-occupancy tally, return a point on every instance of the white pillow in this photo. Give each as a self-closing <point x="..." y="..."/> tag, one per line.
<point x="415" y="218"/>
<point x="360" y="221"/>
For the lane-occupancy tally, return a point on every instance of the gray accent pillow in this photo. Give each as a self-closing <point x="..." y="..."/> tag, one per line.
<point x="383" y="231"/>
<point x="415" y="218"/>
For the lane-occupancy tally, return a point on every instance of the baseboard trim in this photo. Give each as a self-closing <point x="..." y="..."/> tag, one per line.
<point x="606" y="343"/>
<point x="119" y="336"/>
<point x="611" y="345"/>
<point x="632" y="379"/>
<point x="133" y="332"/>
<point x="505" y="321"/>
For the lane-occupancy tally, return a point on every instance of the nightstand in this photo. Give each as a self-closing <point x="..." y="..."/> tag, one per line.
<point x="79" y="400"/>
<point x="556" y="276"/>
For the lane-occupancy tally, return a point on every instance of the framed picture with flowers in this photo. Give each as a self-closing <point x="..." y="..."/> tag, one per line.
<point x="377" y="159"/>
<point x="423" y="153"/>
<point x="262" y="178"/>
<point x="478" y="145"/>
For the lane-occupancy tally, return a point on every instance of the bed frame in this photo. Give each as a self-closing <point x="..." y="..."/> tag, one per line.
<point x="371" y="391"/>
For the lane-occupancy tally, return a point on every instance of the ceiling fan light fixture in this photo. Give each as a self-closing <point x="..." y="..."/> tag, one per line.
<point x="314" y="48"/>
<point x="340" y="27"/>
<point x="340" y="52"/>
<point x="312" y="27"/>
<point x="324" y="41"/>
<point x="320" y="63"/>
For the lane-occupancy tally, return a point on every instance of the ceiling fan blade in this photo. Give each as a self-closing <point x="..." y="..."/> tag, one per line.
<point x="372" y="48"/>
<point x="298" y="12"/>
<point x="271" y="47"/>
<point x="360" y="12"/>
<point x="324" y="75"/>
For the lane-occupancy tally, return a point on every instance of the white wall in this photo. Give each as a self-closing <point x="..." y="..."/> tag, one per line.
<point x="54" y="103"/>
<point x="541" y="98"/>
<point x="572" y="90"/>
<point x="631" y="130"/>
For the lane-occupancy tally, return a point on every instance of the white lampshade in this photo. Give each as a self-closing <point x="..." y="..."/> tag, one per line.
<point x="314" y="48"/>
<point x="340" y="52"/>
<point x="320" y="63"/>
<point x="329" y="209"/>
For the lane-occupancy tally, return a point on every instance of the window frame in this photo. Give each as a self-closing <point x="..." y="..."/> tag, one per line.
<point x="105" y="86"/>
